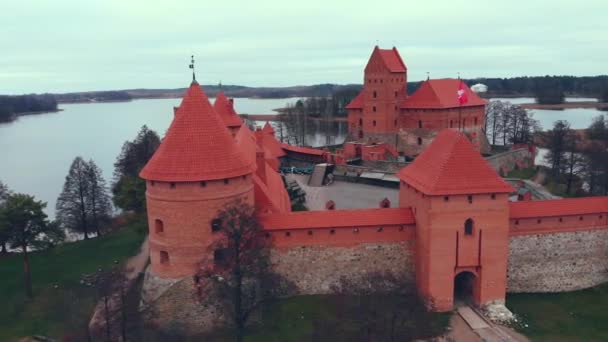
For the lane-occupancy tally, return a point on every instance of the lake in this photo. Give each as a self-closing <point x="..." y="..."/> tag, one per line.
<point x="37" y="150"/>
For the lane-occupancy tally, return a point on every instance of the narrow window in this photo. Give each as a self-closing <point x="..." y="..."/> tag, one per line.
<point x="475" y="121"/>
<point x="216" y="225"/>
<point x="244" y="177"/>
<point x="375" y="94"/>
<point x="468" y="227"/>
<point x="333" y="231"/>
<point x="172" y="185"/>
<point x="395" y="123"/>
<point x="203" y="184"/>
<point x="360" y="122"/>
<point x="396" y="94"/>
<point x="374" y="109"/>
<point x="419" y="141"/>
<point x="516" y="222"/>
<point x="419" y="123"/>
<point x="164" y="257"/>
<point x="539" y="221"/>
<point x="152" y="183"/>
<point x="226" y="181"/>
<point x="380" y="229"/>
<point x="158" y="226"/>
<point x="470" y="198"/>
<point x="374" y="123"/>
<point x="310" y="232"/>
<point x="561" y="219"/>
<point x="288" y="234"/>
<point x="446" y="198"/>
<point x="451" y="123"/>
<point x="493" y="196"/>
<point x="580" y="218"/>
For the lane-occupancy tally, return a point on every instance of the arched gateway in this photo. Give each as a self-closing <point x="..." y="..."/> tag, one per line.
<point x="462" y="223"/>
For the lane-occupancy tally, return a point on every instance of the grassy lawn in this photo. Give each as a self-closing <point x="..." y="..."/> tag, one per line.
<point x="570" y="316"/>
<point x="522" y="173"/>
<point x="60" y="303"/>
<point x="316" y="318"/>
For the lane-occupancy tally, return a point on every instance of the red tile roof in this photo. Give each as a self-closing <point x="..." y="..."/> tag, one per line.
<point x="391" y="59"/>
<point x="452" y="165"/>
<point x="338" y="218"/>
<point x="226" y="111"/>
<point x="197" y="145"/>
<point x="268" y="128"/>
<point x="442" y="93"/>
<point x="559" y="207"/>
<point x="357" y="102"/>
<point x="303" y="150"/>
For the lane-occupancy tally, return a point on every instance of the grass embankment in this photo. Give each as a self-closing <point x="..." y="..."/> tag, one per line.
<point x="569" y="316"/>
<point x="60" y="304"/>
<point x="527" y="173"/>
<point x="317" y="318"/>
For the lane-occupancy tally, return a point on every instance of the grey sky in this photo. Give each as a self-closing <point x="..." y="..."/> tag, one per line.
<point x="74" y="45"/>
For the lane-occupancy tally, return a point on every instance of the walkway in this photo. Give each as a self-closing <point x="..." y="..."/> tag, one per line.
<point x="486" y="330"/>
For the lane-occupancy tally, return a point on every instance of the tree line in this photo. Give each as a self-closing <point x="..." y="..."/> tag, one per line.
<point x="579" y="157"/>
<point x="507" y="124"/>
<point x="11" y="106"/>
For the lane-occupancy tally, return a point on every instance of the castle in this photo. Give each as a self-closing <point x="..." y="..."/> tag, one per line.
<point x="454" y="231"/>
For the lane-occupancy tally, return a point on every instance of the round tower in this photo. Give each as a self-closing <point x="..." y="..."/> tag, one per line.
<point x="196" y="171"/>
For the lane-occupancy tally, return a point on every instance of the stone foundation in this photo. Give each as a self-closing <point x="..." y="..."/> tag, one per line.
<point x="557" y="262"/>
<point x="314" y="269"/>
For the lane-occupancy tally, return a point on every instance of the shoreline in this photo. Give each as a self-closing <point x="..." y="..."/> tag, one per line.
<point x="566" y="105"/>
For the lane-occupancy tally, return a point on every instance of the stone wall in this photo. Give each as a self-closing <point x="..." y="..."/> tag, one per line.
<point x="558" y="261"/>
<point x="314" y="269"/>
<point x="507" y="161"/>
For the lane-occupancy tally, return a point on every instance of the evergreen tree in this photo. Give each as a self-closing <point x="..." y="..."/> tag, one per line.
<point x="98" y="200"/>
<point x="72" y="205"/>
<point x="28" y="227"/>
<point x="128" y="189"/>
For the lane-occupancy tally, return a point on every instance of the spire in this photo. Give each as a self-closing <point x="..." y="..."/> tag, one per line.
<point x="192" y="67"/>
<point x="428" y="76"/>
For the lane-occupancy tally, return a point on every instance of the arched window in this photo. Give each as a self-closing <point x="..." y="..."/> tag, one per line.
<point x="375" y="94"/>
<point x="360" y="122"/>
<point x="374" y="122"/>
<point x="419" y="141"/>
<point x="468" y="227"/>
<point x="159" y="227"/>
<point x="419" y="123"/>
<point x="475" y="121"/>
<point x="374" y="109"/>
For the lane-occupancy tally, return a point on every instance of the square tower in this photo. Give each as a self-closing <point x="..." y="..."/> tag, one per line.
<point x="462" y="223"/>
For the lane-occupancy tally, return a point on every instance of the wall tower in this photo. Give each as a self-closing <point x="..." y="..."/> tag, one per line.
<point x="462" y="223"/>
<point x="195" y="172"/>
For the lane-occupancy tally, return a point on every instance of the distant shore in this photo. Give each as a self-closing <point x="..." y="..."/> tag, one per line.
<point x="566" y="105"/>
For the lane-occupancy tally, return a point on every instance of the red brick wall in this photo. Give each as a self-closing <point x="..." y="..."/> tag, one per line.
<point x="186" y="211"/>
<point x="443" y="250"/>
<point x="558" y="224"/>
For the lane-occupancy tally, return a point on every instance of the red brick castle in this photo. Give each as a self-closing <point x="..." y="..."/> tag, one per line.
<point x="454" y="229"/>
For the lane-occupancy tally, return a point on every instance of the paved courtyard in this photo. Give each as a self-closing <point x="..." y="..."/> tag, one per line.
<point x="346" y="195"/>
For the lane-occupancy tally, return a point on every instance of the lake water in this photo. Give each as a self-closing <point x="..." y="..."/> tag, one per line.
<point x="37" y="150"/>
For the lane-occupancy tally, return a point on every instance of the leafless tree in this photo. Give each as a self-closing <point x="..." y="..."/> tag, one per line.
<point x="239" y="279"/>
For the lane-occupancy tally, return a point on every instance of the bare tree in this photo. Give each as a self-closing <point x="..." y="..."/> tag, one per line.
<point x="239" y="279"/>
<point x="557" y="143"/>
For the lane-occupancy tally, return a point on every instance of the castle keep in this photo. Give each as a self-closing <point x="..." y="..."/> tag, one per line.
<point x="453" y="232"/>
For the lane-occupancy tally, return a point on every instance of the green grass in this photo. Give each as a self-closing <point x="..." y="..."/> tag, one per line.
<point x="569" y="316"/>
<point x="314" y="318"/>
<point x="522" y="173"/>
<point x="60" y="304"/>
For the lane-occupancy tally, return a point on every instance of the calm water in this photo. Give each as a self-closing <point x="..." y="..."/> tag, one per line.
<point x="37" y="150"/>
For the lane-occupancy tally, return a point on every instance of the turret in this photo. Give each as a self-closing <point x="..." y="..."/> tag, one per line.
<point x="197" y="170"/>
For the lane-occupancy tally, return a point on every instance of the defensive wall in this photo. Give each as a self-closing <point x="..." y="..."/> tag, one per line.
<point x="558" y="245"/>
<point x="317" y="251"/>
<point x="517" y="158"/>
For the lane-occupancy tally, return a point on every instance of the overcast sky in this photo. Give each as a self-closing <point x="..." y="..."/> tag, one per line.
<point x="78" y="45"/>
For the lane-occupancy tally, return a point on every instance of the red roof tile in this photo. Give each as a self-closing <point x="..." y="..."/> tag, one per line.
<point x="357" y="102"/>
<point x="452" y="165"/>
<point x="442" y="93"/>
<point x="559" y="207"/>
<point x="303" y="150"/>
<point x="226" y="111"/>
<point x="338" y="218"/>
<point x="197" y="145"/>
<point x="391" y="59"/>
<point x="268" y="128"/>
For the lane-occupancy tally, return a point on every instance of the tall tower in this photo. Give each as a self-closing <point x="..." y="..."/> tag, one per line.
<point x="196" y="171"/>
<point x="462" y="223"/>
<point x="374" y="112"/>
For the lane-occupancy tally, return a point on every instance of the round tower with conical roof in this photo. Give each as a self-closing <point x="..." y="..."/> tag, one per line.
<point x="197" y="170"/>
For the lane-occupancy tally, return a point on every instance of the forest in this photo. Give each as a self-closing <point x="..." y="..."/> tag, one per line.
<point x="11" y="106"/>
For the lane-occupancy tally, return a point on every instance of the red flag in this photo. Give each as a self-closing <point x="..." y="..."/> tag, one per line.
<point x="462" y="95"/>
